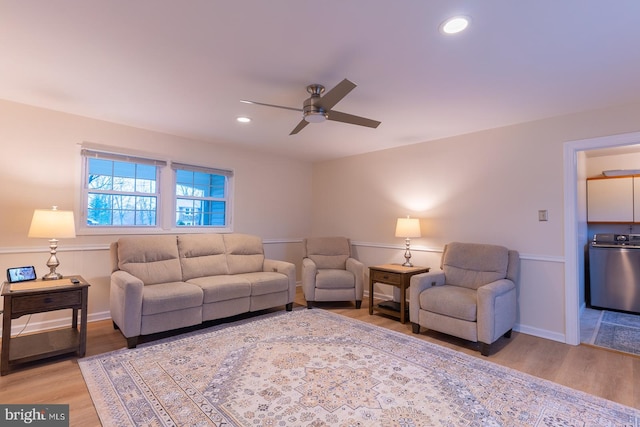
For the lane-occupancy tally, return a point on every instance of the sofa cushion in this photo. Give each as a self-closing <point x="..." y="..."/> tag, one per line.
<point x="473" y="264"/>
<point x="451" y="301"/>
<point x="202" y="255"/>
<point x="328" y="252"/>
<point x="152" y="259"/>
<point x="245" y="253"/>
<point x="330" y="278"/>
<point x="223" y="287"/>
<point x="165" y="297"/>
<point x="267" y="282"/>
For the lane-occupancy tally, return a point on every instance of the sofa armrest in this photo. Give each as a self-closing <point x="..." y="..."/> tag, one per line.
<point x="357" y="268"/>
<point x="125" y="302"/>
<point x="496" y="309"/>
<point x="284" y="267"/>
<point x="418" y="284"/>
<point x="309" y="271"/>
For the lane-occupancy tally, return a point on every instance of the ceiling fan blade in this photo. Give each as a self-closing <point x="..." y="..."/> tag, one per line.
<point x="270" y="105"/>
<point x="334" y="96"/>
<point x="300" y="126"/>
<point x="337" y="116"/>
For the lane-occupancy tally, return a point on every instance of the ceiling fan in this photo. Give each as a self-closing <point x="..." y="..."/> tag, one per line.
<point x="318" y="108"/>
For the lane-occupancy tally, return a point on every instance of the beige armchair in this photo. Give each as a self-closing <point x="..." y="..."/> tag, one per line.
<point x="329" y="272"/>
<point x="473" y="296"/>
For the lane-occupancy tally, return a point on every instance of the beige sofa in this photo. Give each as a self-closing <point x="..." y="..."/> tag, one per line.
<point x="165" y="282"/>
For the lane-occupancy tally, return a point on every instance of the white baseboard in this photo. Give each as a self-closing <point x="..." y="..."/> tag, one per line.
<point x="541" y="333"/>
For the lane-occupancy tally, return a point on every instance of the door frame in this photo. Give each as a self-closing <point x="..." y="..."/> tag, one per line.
<point x="572" y="226"/>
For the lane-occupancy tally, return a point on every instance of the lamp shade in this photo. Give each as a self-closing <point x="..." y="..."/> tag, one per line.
<point x="408" y="227"/>
<point x="52" y="224"/>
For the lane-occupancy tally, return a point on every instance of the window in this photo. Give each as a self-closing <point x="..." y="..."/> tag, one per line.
<point x="128" y="194"/>
<point x="201" y="196"/>
<point x="120" y="191"/>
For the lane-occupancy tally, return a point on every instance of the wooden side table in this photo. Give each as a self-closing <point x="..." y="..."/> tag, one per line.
<point x="37" y="297"/>
<point x="395" y="275"/>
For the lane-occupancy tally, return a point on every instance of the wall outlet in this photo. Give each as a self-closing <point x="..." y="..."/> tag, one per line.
<point x="543" y="215"/>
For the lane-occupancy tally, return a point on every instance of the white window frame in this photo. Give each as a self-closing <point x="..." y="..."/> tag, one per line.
<point x="228" y="197"/>
<point x="84" y="228"/>
<point x="165" y="192"/>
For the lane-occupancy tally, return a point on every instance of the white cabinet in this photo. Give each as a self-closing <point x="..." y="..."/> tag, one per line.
<point x="613" y="199"/>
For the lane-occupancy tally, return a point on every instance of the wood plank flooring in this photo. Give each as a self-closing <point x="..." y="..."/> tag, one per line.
<point x="608" y="374"/>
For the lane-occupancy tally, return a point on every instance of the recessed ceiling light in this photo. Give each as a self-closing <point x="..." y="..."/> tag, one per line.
<point x="455" y="25"/>
<point x="243" y="119"/>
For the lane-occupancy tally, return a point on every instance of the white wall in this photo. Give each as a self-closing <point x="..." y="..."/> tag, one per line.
<point x="597" y="164"/>
<point x="40" y="167"/>
<point x="482" y="187"/>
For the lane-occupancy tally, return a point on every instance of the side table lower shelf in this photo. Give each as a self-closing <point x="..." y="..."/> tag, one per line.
<point x="28" y="348"/>
<point x="391" y="305"/>
<point x="392" y="308"/>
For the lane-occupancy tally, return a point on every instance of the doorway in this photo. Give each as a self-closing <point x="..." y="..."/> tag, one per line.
<point x="575" y="225"/>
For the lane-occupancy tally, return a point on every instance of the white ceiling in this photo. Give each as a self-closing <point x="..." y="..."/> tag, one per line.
<point x="181" y="67"/>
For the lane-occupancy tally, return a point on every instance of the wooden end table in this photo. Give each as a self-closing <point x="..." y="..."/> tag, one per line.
<point x="39" y="296"/>
<point x="394" y="275"/>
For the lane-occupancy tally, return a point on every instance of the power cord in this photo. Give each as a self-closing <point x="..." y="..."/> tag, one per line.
<point x="24" y="327"/>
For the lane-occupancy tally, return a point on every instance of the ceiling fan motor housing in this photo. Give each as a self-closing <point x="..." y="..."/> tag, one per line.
<point x="312" y="112"/>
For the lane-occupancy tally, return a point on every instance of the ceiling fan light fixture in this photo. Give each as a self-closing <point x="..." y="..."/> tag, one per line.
<point x="315" y="116"/>
<point x="243" y="119"/>
<point x="455" y="25"/>
<point x="313" y="113"/>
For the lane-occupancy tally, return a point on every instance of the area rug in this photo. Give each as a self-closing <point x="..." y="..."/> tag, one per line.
<point x="618" y="331"/>
<point x="317" y="368"/>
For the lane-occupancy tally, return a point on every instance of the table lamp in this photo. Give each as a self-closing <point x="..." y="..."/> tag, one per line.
<point x="407" y="228"/>
<point x="52" y="224"/>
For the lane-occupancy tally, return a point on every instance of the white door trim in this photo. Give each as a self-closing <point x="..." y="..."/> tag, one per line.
<point x="571" y="210"/>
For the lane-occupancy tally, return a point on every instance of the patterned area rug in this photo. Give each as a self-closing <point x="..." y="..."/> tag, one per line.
<point x="619" y="331"/>
<point x="316" y="368"/>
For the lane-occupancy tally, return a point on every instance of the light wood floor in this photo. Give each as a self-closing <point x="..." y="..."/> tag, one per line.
<point x="614" y="376"/>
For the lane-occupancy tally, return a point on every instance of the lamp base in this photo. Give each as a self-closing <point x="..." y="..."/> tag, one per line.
<point x="52" y="276"/>
<point x="407" y="254"/>
<point x="52" y="262"/>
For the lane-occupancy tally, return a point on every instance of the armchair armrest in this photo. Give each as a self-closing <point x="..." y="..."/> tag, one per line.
<point x="418" y="284"/>
<point x="125" y="302"/>
<point x="309" y="271"/>
<point x="496" y="309"/>
<point x="284" y="267"/>
<point x="357" y="268"/>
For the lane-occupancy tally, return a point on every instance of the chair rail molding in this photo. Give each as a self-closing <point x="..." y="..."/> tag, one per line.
<point x="418" y="248"/>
